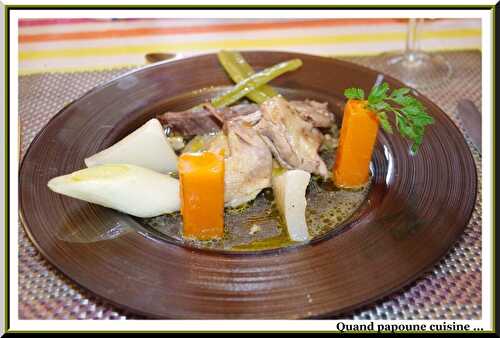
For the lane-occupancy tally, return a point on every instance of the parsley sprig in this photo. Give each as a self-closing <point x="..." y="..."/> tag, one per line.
<point x="409" y="113"/>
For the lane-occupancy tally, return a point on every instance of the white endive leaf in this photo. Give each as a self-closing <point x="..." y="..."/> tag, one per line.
<point x="131" y="189"/>
<point x="146" y="147"/>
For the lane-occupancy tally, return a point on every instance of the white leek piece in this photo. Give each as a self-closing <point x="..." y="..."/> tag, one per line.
<point x="146" y="147"/>
<point x="290" y="195"/>
<point x="131" y="189"/>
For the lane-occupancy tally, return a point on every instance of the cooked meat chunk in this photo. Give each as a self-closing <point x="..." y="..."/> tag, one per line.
<point x="315" y="112"/>
<point x="203" y="119"/>
<point x="293" y="141"/>
<point x="195" y="121"/>
<point x="248" y="163"/>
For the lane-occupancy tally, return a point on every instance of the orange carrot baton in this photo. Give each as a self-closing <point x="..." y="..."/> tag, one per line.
<point x="360" y="127"/>
<point x="357" y="138"/>
<point x="202" y="195"/>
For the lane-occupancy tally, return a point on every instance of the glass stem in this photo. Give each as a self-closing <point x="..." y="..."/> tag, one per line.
<point x="411" y="40"/>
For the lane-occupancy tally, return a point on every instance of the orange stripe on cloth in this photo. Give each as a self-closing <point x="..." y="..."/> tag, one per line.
<point x="121" y="33"/>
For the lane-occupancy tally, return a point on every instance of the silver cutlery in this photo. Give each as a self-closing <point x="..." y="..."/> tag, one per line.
<point x="471" y="119"/>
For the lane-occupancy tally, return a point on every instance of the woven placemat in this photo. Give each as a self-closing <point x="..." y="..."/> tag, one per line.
<point x="452" y="290"/>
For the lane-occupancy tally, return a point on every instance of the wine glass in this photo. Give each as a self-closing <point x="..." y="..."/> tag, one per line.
<point x="415" y="67"/>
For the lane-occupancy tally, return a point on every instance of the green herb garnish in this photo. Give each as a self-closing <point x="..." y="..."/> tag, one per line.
<point x="409" y="113"/>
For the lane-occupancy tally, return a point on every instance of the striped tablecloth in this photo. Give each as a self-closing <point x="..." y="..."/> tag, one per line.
<point x="67" y="45"/>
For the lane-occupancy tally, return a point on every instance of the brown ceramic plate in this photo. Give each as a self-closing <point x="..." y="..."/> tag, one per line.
<point x="416" y="209"/>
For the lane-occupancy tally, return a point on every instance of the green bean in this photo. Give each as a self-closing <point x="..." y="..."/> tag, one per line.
<point x="253" y="82"/>
<point x="239" y="72"/>
<point x="238" y="69"/>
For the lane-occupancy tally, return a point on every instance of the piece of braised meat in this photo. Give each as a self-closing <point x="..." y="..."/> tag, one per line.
<point x="316" y="113"/>
<point x="203" y="119"/>
<point x="293" y="141"/>
<point x="248" y="161"/>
